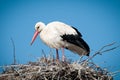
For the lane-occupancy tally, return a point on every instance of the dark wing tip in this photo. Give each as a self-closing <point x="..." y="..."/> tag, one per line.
<point x="88" y="51"/>
<point x="88" y="54"/>
<point x="83" y="45"/>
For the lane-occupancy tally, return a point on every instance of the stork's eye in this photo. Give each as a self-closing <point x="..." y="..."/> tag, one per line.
<point x="38" y="27"/>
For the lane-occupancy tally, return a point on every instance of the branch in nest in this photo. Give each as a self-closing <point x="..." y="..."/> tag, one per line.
<point x="14" y="56"/>
<point x="103" y="50"/>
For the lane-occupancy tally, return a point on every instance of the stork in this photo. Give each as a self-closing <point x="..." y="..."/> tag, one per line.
<point x="59" y="35"/>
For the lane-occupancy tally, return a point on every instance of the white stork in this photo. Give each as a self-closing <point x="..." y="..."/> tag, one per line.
<point x="59" y="35"/>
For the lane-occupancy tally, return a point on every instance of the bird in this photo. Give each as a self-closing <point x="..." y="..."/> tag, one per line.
<point x="62" y="36"/>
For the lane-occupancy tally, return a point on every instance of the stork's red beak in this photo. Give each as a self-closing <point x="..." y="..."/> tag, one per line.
<point x="34" y="37"/>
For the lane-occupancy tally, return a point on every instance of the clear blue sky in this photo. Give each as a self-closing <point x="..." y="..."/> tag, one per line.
<point x="97" y="20"/>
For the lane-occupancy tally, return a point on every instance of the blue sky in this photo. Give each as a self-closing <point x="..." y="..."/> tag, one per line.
<point x="97" y="20"/>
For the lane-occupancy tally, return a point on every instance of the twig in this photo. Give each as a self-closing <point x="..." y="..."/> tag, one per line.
<point x="44" y="55"/>
<point x="106" y="46"/>
<point x="14" y="56"/>
<point x="103" y="51"/>
<point x="114" y="73"/>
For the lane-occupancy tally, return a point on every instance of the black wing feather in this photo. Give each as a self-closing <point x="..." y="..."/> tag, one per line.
<point x="76" y="40"/>
<point x="77" y="31"/>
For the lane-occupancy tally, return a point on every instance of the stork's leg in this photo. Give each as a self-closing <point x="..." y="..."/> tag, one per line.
<point x="63" y="55"/>
<point x="57" y="55"/>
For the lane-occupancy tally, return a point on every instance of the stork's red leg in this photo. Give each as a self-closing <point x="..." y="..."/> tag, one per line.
<point x="63" y="55"/>
<point x="57" y="55"/>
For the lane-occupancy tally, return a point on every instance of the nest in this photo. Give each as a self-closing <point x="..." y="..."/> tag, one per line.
<point x="50" y="69"/>
<point x="53" y="70"/>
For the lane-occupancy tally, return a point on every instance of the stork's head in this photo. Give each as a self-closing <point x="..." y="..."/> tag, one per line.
<point x="38" y="28"/>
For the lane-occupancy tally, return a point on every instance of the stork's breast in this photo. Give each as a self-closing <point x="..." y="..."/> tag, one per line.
<point x="52" y="39"/>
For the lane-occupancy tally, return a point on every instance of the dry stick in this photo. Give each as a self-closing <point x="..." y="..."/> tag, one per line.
<point x="114" y="73"/>
<point x="14" y="56"/>
<point x="102" y="51"/>
<point x="44" y="55"/>
<point x="106" y="46"/>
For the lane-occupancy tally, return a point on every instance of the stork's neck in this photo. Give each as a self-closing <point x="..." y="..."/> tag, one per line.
<point x="42" y="28"/>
